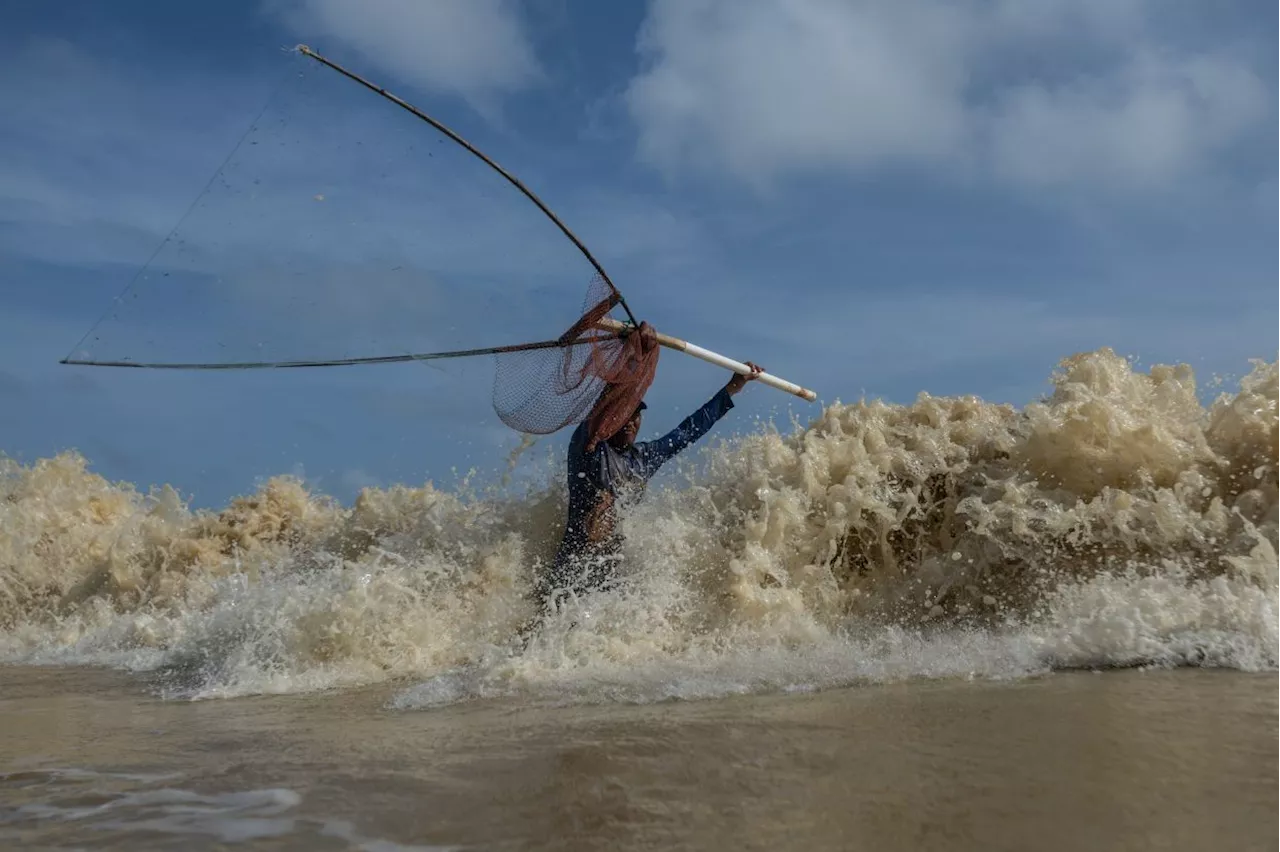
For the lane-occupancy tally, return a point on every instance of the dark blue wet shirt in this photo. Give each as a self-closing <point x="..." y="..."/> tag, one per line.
<point x="621" y="471"/>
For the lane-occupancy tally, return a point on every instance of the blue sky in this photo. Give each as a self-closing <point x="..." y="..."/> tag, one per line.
<point x="867" y="198"/>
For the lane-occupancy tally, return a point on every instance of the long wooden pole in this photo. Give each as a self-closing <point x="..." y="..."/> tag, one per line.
<point x="512" y="179"/>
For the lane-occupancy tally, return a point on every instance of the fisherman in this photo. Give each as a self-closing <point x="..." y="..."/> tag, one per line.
<point x="614" y="471"/>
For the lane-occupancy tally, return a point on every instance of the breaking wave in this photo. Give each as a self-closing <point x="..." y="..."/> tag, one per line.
<point x="1117" y="522"/>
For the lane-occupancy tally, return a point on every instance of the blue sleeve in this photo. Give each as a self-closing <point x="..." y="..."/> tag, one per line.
<point x="655" y="454"/>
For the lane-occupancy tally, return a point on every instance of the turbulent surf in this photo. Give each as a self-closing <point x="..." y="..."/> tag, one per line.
<point x="1119" y="521"/>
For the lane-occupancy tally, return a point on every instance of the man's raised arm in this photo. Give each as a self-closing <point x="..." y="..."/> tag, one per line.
<point x="657" y="453"/>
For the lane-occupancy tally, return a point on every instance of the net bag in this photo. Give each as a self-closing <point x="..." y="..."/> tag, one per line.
<point x="596" y="375"/>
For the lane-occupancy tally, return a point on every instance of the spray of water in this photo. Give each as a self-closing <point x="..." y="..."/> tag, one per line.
<point x="1119" y="521"/>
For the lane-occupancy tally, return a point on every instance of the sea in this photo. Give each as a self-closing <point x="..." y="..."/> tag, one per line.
<point x="952" y="625"/>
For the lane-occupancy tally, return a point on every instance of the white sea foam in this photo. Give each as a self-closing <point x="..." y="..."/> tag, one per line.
<point x="1119" y="522"/>
<point x="128" y="805"/>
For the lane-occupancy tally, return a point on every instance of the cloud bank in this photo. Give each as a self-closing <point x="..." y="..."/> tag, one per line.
<point x="1046" y="94"/>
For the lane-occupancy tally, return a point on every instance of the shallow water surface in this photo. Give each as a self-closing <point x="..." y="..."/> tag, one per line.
<point x="1182" y="759"/>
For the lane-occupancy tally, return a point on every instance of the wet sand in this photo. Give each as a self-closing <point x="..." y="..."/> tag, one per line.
<point x="1133" y="760"/>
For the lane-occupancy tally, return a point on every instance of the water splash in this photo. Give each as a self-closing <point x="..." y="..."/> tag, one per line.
<point x="1119" y="521"/>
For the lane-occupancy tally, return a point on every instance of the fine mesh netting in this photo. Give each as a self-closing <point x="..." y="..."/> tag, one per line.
<point x="344" y="229"/>
<point x="596" y="374"/>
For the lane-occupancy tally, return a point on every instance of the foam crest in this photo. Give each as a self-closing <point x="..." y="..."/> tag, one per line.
<point x="1117" y="521"/>
<point x="116" y="807"/>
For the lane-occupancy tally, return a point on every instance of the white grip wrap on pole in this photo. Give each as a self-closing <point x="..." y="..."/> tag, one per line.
<point x="610" y="324"/>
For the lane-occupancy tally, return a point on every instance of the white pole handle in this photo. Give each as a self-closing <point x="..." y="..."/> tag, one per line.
<point x="611" y="324"/>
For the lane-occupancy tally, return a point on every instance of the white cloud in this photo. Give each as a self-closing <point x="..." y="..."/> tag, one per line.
<point x="766" y="87"/>
<point x="477" y="49"/>
<point x="1145" y="124"/>
<point x="1103" y="20"/>
<point x="1036" y="94"/>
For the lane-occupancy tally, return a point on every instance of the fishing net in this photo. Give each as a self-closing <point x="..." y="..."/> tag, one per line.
<point x="344" y="230"/>
<point x="595" y="375"/>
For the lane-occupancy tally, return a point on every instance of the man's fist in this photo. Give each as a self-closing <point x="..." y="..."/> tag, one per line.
<point x="739" y="381"/>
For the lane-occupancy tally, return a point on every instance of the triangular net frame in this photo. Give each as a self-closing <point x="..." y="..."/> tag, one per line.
<point x="399" y="296"/>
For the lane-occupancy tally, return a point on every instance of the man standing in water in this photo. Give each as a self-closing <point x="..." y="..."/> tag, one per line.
<point x="617" y="469"/>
